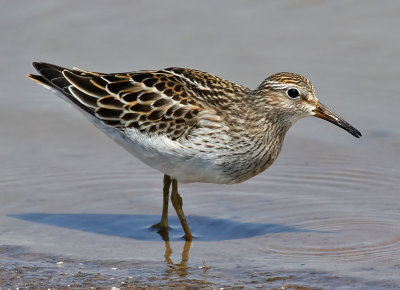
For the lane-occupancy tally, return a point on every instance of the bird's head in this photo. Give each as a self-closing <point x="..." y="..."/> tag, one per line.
<point x="293" y="97"/>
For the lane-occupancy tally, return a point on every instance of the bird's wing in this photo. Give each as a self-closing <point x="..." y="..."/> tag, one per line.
<point x="155" y="102"/>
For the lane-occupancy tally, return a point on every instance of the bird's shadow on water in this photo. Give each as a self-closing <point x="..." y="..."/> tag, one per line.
<point x="138" y="226"/>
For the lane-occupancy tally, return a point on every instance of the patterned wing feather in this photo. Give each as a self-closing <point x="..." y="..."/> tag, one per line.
<point x="153" y="102"/>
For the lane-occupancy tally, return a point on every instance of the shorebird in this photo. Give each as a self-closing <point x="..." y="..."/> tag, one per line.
<point x="188" y="124"/>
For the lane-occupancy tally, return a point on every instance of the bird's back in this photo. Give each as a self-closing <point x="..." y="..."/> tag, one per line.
<point x="164" y="101"/>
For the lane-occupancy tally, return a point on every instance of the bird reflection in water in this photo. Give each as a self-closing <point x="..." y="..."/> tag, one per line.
<point x="181" y="268"/>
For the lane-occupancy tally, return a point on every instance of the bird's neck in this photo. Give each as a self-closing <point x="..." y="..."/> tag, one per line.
<point x="260" y="143"/>
<point x="262" y="124"/>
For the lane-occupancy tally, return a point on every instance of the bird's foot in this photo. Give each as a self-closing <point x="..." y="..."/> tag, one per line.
<point x="188" y="238"/>
<point x="162" y="230"/>
<point x="160" y="227"/>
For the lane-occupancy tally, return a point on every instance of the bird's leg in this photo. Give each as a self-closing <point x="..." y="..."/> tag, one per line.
<point x="162" y="226"/>
<point x="164" y="216"/>
<point x="177" y="203"/>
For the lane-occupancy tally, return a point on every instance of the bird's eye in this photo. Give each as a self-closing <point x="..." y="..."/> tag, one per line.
<point x="293" y="93"/>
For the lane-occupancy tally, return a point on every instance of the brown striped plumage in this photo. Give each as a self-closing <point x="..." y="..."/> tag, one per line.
<point x="165" y="102"/>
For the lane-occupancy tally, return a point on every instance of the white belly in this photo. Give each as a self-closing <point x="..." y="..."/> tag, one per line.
<point x="179" y="160"/>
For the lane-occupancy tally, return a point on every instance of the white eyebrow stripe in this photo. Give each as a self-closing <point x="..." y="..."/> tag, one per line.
<point x="279" y="85"/>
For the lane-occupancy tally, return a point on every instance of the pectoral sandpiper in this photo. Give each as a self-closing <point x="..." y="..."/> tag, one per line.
<point x="188" y="124"/>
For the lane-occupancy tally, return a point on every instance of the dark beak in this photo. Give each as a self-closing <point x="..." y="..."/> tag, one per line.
<point x="324" y="113"/>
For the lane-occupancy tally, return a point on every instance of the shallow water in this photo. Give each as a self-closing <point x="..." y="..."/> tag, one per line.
<point x="325" y="215"/>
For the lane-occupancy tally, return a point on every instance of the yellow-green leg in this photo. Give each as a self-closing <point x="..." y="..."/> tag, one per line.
<point x="177" y="203"/>
<point x="162" y="226"/>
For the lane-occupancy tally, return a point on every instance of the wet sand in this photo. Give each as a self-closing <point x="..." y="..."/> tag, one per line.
<point x="75" y="209"/>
